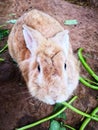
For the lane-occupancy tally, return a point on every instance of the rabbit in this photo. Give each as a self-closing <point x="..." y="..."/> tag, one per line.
<point x="41" y="47"/>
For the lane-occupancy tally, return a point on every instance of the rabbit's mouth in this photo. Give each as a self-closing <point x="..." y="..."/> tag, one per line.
<point x="53" y="100"/>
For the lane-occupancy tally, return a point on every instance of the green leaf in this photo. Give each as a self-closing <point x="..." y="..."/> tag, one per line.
<point x="58" y="107"/>
<point x="62" y="126"/>
<point x="62" y="115"/>
<point x="54" y="125"/>
<point x="13" y="21"/>
<point x="3" y="33"/>
<point x="71" y="22"/>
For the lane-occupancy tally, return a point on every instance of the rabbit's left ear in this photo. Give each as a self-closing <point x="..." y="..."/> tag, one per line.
<point x="32" y="38"/>
<point x="62" y="38"/>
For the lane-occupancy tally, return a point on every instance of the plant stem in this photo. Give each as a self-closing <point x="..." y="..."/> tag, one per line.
<point x="90" y="81"/>
<point x="4" y="48"/>
<point x="80" y="112"/>
<point x="82" y="80"/>
<point x="86" y="66"/>
<point x="87" y="120"/>
<point x="47" y="118"/>
<point x="69" y="127"/>
<point x="3" y="25"/>
<point x="1" y="59"/>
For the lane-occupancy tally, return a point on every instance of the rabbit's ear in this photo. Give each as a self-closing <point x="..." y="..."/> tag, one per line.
<point x="62" y="38"/>
<point x="31" y="37"/>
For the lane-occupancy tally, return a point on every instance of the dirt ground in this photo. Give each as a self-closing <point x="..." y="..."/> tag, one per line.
<point x="17" y="107"/>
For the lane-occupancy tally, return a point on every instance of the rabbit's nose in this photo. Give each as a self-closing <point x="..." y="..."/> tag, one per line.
<point x="54" y="74"/>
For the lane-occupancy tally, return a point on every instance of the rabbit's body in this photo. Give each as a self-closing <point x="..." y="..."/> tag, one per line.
<point x="41" y="47"/>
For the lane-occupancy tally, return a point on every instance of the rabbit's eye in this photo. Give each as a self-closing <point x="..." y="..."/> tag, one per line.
<point x="65" y="66"/>
<point x="38" y="67"/>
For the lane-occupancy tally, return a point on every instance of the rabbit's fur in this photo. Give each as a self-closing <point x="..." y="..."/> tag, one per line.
<point x="40" y="46"/>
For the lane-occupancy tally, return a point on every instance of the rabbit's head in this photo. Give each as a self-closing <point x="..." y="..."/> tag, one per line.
<point x="53" y="73"/>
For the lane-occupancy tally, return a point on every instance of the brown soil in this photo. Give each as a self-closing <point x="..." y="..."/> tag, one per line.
<point x="17" y="107"/>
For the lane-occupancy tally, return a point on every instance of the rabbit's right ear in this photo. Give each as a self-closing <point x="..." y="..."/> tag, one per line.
<point x="62" y="38"/>
<point x="31" y="37"/>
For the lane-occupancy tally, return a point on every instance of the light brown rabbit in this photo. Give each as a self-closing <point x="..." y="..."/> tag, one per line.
<point x="41" y="47"/>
